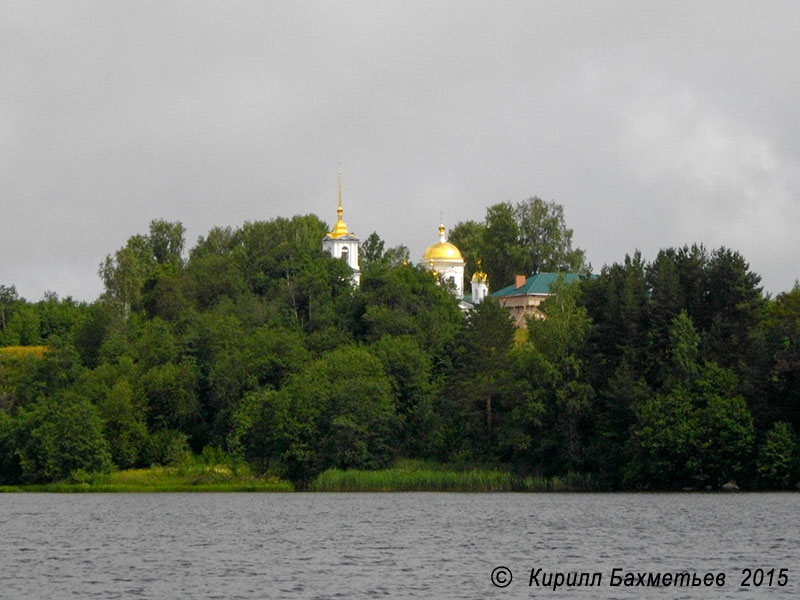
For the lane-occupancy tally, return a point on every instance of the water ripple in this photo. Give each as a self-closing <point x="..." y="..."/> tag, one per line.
<point x="327" y="546"/>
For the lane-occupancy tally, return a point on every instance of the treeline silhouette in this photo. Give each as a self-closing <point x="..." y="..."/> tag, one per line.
<point x="662" y="375"/>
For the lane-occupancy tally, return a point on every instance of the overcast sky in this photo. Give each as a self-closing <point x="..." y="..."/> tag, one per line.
<point x="654" y="124"/>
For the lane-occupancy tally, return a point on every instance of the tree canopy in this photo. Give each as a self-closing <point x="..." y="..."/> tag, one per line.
<point x="525" y="238"/>
<point x="666" y="374"/>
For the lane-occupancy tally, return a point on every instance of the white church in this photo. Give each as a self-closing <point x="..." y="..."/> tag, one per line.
<point x="443" y="259"/>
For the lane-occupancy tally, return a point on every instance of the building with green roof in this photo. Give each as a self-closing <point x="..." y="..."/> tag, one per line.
<point x="524" y="296"/>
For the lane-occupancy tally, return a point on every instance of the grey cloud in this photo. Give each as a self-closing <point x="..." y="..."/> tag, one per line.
<point x="653" y="123"/>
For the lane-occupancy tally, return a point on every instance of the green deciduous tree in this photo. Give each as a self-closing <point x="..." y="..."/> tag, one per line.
<point x="698" y="430"/>
<point x="664" y="440"/>
<point x="10" y="469"/>
<point x="501" y="249"/>
<point x="405" y="300"/>
<point x="59" y="435"/>
<point x="24" y="326"/>
<point x="215" y="269"/>
<point x="468" y="237"/>
<point x="557" y="393"/>
<point x="56" y="371"/>
<point x="781" y="329"/>
<point x="124" y="419"/>
<point x="258" y="434"/>
<point x="8" y="298"/>
<point x="166" y="447"/>
<point x="90" y="333"/>
<point x="371" y="250"/>
<point x="337" y="412"/>
<point x="396" y="256"/>
<point x="778" y="459"/>
<point x="409" y="370"/>
<point x="683" y="352"/>
<point x="153" y="343"/>
<point x="527" y="238"/>
<point x="116" y="392"/>
<point x="545" y="238"/>
<point x="725" y="429"/>
<point x="272" y="254"/>
<point x="171" y="393"/>
<point x="124" y="274"/>
<point x="166" y="242"/>
<point x="125" y="427"/>
<point x="143" y="256"/>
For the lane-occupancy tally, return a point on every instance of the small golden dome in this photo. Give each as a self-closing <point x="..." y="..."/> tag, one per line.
<point x="479" y="275"/>
<point x="443" y="250"/>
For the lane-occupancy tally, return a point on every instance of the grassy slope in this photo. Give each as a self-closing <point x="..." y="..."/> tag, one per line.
<point x="192" y="478"/>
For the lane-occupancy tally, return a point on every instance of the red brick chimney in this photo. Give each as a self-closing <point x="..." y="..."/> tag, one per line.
<point x="521" y="279"/>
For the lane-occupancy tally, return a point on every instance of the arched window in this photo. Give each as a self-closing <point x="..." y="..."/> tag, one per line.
<point x="345" y="255"/>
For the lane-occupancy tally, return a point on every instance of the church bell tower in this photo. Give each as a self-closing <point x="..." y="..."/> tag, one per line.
<point x="341" y="243"/>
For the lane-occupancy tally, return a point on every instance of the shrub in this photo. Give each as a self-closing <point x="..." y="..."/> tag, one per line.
<point x="166" y="447"/>
<point x="777" y="461"/>
<point x="58" y="436"/>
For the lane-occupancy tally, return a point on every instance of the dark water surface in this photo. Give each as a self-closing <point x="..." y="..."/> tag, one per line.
<point x="409" y="545"/>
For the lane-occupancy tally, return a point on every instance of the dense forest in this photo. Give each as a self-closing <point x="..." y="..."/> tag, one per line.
<point x="667" y="374"/>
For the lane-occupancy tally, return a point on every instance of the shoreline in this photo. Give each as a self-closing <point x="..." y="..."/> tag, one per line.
<point x="407" y="475"/>
<point x="76" y="488"/>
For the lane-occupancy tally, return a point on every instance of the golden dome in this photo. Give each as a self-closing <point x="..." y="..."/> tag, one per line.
<point x="340" y="229"/>
<point x="443" y="250"/>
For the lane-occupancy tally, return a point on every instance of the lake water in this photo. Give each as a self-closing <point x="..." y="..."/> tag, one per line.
<point x="409" y="545"/>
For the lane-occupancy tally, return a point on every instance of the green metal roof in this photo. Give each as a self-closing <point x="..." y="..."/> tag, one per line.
<point x="538" y="284"/>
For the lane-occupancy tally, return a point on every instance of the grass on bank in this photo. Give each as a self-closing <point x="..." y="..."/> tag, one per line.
<point x="420" y="476"/>
<point x="404" y="479"/>
<point x="199" y="474"/>
<point x="189" y="476"/>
